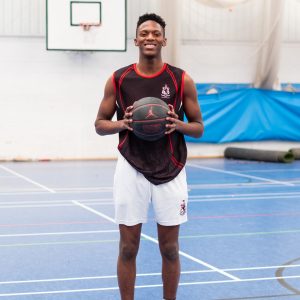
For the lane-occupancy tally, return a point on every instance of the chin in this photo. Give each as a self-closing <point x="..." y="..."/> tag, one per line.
<point x="151" y="54"/>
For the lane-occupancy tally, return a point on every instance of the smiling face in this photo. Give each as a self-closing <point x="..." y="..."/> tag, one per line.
<point x="150" y="38"/>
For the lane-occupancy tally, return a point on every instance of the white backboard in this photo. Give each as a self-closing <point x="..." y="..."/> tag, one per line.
<point x="65" y="33"/>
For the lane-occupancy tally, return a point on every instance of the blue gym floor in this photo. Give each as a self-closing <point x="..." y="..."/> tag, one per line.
<point x="58" y="240"/>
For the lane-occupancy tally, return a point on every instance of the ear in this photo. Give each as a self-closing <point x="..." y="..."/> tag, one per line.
<point x="164" y="44"/>
<point x="136" y="42"/>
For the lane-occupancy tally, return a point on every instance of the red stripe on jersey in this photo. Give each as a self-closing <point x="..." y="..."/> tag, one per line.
<point x="182" y="86"/>
<point x="114" y="82"/>
<point x="124" y="140"/>
<point x="173" y="159"/>
<point x="149" y="76"/>
<point x="120" y="82"/>
<point x="176" y="163"/>
<point x="175" y="84"/>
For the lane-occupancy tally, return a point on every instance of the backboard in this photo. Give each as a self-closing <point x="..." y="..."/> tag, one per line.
<point x="86" y="25"/>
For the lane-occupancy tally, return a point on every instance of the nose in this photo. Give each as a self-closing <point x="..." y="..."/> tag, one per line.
<point x="150" y="36"/>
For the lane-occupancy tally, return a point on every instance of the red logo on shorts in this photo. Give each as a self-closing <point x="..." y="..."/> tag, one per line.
<point x="182" y="208"/>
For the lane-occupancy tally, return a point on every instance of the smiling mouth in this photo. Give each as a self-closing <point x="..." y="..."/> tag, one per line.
<point x="150" y="46"/>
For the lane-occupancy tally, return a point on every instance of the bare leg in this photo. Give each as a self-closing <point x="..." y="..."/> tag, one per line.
<point x="129" y="246"/>
<point x="169" y="248"/>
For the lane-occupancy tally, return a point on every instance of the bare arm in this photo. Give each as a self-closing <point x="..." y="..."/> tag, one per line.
<point x="104" y="124"/>
<point x="191" y="108"/>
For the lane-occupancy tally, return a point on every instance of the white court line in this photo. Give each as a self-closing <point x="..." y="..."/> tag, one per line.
<point x="103" y="188"/>
<point x="58" y="201"/>
<point x="156" y="242"/>
<point x="108" y="201"/>
<point x="191" y="187"/>
<point x="140" y="275"/>
<point x="273" y="170"/>
<point x="240" y="175"/>
<point x="199" y="198"/>
<point x="32" y="191"/>
<point x="51" y="205"/>
<point x="27" y="179"/>
<point x="243" y="195"/>
<point x="149" y="286"/>
<point x="58" y="233"/>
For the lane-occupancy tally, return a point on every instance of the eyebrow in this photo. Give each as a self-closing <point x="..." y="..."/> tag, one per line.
<point x="146" y="30"/>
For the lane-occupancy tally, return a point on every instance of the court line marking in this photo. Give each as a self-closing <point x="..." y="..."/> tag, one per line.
<point x="59" y="233"/>
<point x="140" y="275"/>
<point x="287" y="214"/>
<point x="194" y="200"/>
<point x="32" y="191"/>
<point x="156" y="242"/>
<point x="61" y="201"/>
<point x="145" y="238"/>
<point x="149" y="286"/>
<point x="102" y="188"/>
<point x="246" y="194"/>
<point x="240" y="174"/>
<point x="50" y="205"/>
<point x="239" y="216"/>
<point x="27" y="179"/>
<point x="273" y="170"/>
<point x="51" y="224"/>
<point x="191" y="187"/>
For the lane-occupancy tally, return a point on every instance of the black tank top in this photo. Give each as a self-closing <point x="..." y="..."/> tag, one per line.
<point x="159" y="161"/>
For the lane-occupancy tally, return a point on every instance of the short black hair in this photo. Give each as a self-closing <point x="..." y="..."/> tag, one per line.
<point x="151" y="17"/>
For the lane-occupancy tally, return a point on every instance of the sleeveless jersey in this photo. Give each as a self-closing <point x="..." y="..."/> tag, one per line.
<point x="159" y="161"/>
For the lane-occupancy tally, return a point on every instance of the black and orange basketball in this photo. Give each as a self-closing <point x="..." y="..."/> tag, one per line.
<point x="149" y="118"/>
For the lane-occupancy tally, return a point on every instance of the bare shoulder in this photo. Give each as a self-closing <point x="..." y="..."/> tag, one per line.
<point x="189" y="87"/>
<point x="108" y="104"/>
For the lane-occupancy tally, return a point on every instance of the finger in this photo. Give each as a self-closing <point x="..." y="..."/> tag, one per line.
<point x="171" y="119"/>
<point x="173" y="115"/>
<point x="127" y="115"/>
<point x="171" y="107"/>
<point x="170" y="128"/>
<point x="170" y="131"/>
<point x="128" y="109"/>
<point x="127" y="123"/>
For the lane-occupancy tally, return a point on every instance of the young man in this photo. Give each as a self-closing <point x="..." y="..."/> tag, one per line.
<point x="150" y="171"/>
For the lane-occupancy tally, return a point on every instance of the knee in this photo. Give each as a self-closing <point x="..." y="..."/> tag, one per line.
<point x="128" y="251"/>
<point x="170" y="251"/>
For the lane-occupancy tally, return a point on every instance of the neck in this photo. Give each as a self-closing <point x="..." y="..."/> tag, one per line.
<point x="149" y="66"/>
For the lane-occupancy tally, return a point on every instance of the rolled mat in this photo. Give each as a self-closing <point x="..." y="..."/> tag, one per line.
<point x="295" y="152"/>
<point x="259" y="155"/>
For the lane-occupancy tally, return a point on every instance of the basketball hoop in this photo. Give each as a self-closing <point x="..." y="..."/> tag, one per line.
<point x="87" y="26"/>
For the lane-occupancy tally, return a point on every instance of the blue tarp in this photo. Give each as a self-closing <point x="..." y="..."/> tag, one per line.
<point x="249" y="115"/>
<point x="203" y="88"/>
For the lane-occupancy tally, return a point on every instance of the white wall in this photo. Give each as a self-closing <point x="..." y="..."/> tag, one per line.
<point x="49" y="99"/>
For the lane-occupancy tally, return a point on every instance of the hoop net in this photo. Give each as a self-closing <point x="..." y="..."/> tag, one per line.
<point x="87" y="26"/>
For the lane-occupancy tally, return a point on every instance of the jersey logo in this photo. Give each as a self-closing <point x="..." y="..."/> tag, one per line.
<point x="165" y="92"/>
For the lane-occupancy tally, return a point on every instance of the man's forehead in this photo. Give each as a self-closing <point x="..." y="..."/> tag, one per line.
<point x="150" y="25"/>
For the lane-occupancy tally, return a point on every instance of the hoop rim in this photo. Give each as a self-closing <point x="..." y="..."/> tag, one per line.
<point x="86" y="26"/>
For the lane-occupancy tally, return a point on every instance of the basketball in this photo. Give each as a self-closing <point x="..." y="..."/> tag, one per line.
<point x="149" y="118"/>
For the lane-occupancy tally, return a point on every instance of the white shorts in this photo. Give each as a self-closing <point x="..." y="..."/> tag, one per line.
<point x="133" y="193"/>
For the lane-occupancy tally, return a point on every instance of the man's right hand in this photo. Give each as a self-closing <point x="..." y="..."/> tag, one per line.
<point x="127" y="118"/>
